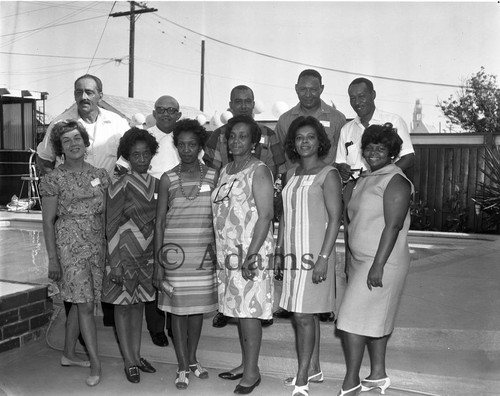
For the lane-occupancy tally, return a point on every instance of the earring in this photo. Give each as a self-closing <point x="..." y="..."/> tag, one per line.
<point x="253" y="150"/>
<point x="229" y="151"/>
<point x="63" y="158"/>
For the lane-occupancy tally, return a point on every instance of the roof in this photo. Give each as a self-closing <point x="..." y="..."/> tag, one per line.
<point x="22" y="93"/>
<point x="127" y="107"/>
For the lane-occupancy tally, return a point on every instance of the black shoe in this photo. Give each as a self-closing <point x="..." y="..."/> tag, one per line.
<point x="159" y="339"/>
<point x="282" y="313"/>
<point x="146" y="366"/>
<point x="227" y="375"/>
<point x="266" y="322"/>
<point x="245" y="390"/>
<point x="220" y="320"/>
<point x="327" y="317"/>
<point x="133" y="375"/>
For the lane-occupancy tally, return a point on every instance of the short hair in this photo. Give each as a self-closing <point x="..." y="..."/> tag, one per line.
<point x="310" y="73"/>
<point x="131" y="137"/>
<point x="248" y="120"/>
<point x="189" y="125"/>
<point x="386" y="135"/>
<point x="240" y="88"/>
<point x="97" y="80"/>
<point x="361" y="80"/>
<point x="299" y="122"/>
<point x="65" y="126"/>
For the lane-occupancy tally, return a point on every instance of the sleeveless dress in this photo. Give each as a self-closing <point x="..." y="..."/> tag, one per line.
<point x="79" y="229"/>
<point x="306" y="220"/>
<point x="235" y="216"/>
<point x="188" y="253"/>
<point x="130" y="220"/>
<point x="364" y="312"/>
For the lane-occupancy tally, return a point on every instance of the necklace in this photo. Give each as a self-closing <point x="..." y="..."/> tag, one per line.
<point x="236" y="169"/>
<point x="189" y="198"/>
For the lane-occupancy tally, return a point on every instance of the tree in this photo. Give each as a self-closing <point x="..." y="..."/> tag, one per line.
<point x="488" y="194"/>
<point x="476" y="106"/>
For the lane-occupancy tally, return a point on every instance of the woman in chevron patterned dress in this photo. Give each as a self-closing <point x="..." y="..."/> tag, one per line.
<point x="130" y="219"/>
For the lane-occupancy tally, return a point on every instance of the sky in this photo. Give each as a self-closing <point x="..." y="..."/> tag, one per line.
<point x="409" y="50"/>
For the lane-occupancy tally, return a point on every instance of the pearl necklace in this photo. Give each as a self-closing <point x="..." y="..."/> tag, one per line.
<point x="235" y="170"/>
<point x="189" y="198"/>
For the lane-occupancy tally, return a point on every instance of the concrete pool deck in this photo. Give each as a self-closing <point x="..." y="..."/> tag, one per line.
<point x="446" y="341"/>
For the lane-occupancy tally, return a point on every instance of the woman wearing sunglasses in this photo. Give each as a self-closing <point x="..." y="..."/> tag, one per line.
<point x="243" y="211"/>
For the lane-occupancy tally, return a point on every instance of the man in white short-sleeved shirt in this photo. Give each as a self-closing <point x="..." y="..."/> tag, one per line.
<point x="349" y="160"/>
<point x="104" y="127"/>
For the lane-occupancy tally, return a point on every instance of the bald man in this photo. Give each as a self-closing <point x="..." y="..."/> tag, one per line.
<point x="166" y="114"/>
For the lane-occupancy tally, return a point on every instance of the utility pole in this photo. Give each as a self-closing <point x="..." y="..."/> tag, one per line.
<point x="132" y="13"/>
<point x="202" y="82"/>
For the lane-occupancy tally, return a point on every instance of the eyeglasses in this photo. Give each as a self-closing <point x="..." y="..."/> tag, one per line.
<point x="225" y="197"/>
<point x="347" y="146"/>
<point x="169" y="110"/>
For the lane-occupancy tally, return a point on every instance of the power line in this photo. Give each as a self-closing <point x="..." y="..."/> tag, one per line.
<point x="63" y="56"/>
<point x="52" y="26"/>
<point x="307" y="64"/>
<point x="100" y="38"/>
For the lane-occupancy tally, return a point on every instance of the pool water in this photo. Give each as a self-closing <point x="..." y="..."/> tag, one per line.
<point x="23" y="256"/>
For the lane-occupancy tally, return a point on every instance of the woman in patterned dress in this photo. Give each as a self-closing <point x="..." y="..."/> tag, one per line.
<point x="130" y="218"/>
<point x="378" y="220"/>
<point x="312" y="201"/>
<point x="73" y="226"/>
<point x="183" y="243"/>
<point x="243" y="212"/>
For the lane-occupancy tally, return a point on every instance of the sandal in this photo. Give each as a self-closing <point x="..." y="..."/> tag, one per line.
<point x="315" y="378"/>
<point x="301" y="390"/>
<point x="198" y="370"/>
<point x="182" y="379"/>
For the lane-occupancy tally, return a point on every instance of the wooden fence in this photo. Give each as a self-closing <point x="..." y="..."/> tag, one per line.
<point x="448" y="168"/>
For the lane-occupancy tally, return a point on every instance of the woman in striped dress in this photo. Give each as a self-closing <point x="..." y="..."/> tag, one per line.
<point x="312" y="201"/>
<point x="184" y="250"/>
<point x="130" y="218"/>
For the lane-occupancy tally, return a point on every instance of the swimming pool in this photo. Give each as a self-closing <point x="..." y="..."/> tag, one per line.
<point x="23" y="256"/>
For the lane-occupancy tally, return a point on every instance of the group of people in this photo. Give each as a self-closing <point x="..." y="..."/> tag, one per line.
<point x="181" y="219"/>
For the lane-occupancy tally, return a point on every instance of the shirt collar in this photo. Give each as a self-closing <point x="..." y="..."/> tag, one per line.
<point x="324" y="108"/>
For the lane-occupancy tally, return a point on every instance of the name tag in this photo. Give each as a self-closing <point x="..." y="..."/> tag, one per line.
<point x="263" y="140"/>
<point x="95" y="182"/>
<point x="326" y="124"/>
<point x="205" y="188"/>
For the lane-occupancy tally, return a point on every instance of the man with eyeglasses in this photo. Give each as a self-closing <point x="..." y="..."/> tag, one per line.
<point x="309" y="88"/>
<point x="349" y="160"/>
<point x="104" y="127"/>
<point x="270" y="150"/>
<point x="166" y="114"/>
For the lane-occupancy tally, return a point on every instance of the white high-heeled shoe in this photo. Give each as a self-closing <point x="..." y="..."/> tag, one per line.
<point x="302" y="390"/>
<point x="356" y="391"/>
<point x="382" y="383"/>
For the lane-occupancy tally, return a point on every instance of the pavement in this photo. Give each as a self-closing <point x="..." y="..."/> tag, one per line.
<point x="446" y="340"/>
